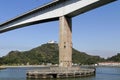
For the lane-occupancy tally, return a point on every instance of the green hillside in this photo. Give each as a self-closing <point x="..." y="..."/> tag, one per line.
<point x="115" y="58"/>
<point x="46" y="53"/>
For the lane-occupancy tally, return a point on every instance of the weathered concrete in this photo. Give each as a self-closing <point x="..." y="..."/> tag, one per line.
<point x="65" y="43"/>
<point x="60" y="72"/>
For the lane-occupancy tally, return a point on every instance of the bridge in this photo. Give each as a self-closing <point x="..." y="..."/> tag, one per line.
<point x="62" y="10"/>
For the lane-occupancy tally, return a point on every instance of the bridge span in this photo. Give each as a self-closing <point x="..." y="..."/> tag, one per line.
<point x="62" y="10"/>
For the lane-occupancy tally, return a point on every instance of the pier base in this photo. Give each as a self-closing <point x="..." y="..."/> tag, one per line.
<point x="60" y="72"/>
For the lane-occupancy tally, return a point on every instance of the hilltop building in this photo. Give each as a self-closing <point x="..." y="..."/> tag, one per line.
<point x="51" y="42"/>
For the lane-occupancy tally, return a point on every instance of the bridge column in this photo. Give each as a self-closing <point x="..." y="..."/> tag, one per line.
<point x="65" y="42"/>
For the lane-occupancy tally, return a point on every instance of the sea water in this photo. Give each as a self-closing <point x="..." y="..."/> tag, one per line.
<point x="19" y="73"/>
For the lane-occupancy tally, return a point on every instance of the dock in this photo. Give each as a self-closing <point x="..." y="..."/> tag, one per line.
<point x="60" y="72"/>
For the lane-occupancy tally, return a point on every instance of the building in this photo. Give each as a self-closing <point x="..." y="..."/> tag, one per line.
<point x="109" y="64"/>
<point x="51" y="42"/>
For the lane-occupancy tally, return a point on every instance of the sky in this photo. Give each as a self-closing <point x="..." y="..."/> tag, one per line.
<point x="96" y="32"/>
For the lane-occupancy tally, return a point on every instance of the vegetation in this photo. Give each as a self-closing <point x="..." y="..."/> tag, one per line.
<point x="83" y="58"/>
<point x="46" y="53"/>
<point x="115" y="58"/>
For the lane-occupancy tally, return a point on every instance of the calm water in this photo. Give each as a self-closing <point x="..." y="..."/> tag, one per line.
<point x="102" y="73"/>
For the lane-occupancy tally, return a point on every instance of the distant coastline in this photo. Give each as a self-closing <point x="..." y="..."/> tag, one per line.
<point x="12" y="66"/>
<point x="111" y="64"/>
<point x="22" y="66"/>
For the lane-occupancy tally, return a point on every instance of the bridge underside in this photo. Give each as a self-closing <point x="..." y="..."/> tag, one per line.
<point x="52" y="12"/>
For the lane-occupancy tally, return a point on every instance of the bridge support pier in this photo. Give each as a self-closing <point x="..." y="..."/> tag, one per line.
<point x="65" y="42"/>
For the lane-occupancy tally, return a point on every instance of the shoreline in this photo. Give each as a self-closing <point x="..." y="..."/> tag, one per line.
<point x="9" y="66"/>
<point x="83" y="66"/>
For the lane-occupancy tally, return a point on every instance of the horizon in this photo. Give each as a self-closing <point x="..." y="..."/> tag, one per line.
<point x="95" y="32"/>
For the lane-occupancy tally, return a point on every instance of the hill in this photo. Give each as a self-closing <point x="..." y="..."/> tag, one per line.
<point x="46" y="53"/>
<point x="115" y="58"/>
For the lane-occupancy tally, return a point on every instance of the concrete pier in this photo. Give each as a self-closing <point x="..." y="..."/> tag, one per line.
<point x="65" y="42"/>
<point x="65" y="68"/>
<point x="60" y="72"/>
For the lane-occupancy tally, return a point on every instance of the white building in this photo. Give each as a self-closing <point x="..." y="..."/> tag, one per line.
<point x="109" y="64"/>
<point x="51" y="42"/>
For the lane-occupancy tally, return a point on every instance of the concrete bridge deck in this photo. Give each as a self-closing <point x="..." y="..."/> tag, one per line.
<point x="51" y="12"/>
